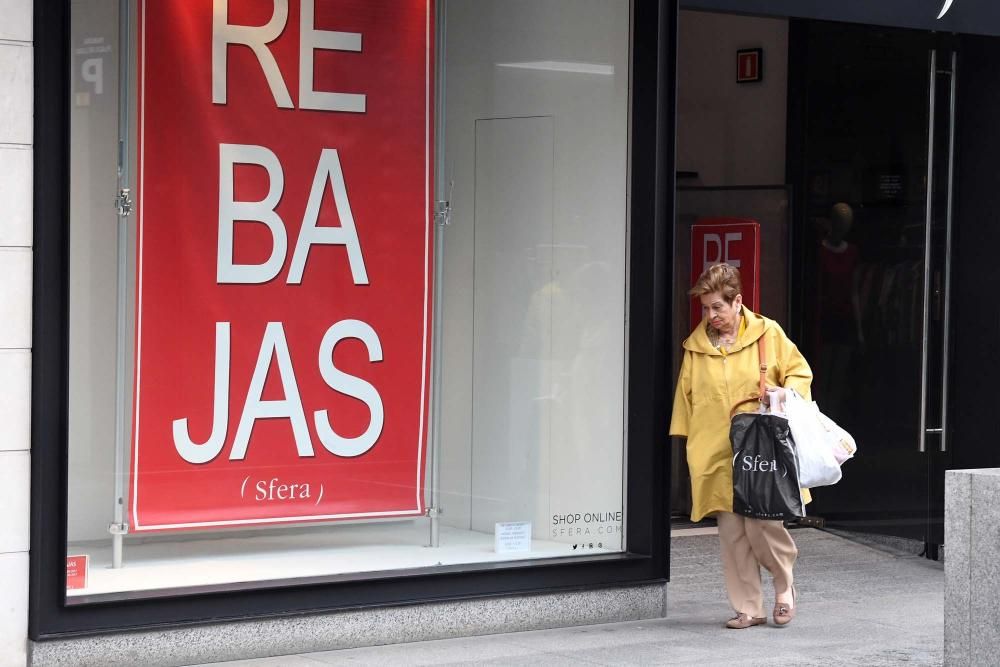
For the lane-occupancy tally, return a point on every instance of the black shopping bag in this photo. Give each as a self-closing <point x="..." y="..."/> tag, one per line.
<point x="765" y="477"/>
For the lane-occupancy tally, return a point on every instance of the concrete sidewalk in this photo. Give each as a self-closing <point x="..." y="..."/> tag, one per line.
<point x="858" y="605"/>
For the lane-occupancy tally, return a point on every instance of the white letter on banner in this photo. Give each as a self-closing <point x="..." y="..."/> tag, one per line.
<point x="350" y="386"/>
<point x="346" y="235"/>
<point x="732" y="237"/>
<point x="707" y="239"/>
<point x="257" y="38"/>
<point x="273" y="345"/>
<point x="311" y="40"/>
<point x="261" y="211"/>
<point x="205" y="452"/>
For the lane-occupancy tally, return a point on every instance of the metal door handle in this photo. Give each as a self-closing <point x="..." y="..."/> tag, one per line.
<point x="929" y="214"/>
<point x="946" y="334"/>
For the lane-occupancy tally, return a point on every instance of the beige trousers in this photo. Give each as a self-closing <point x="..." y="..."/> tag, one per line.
<point x="746" y="545"/>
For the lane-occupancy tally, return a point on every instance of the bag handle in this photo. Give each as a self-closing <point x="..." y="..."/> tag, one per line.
<point x="762" y="387"/>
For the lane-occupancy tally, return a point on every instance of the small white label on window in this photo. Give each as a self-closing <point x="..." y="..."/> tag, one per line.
<point x="512" y="537"/>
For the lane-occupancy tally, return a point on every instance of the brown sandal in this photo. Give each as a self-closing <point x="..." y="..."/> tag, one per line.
<point x="742" y="621"/>
<point x="783" y="612"/>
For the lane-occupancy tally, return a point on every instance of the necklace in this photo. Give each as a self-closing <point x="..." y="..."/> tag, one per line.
<point x="719" y="339"/>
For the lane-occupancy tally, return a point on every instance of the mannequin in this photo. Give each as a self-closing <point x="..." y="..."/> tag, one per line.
<point x="840" y="328"/>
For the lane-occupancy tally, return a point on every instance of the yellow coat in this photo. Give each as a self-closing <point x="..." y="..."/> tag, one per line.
<point x="710" y="383"/>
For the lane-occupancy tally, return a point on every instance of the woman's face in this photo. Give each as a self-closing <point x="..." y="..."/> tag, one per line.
<point x="721" y="314"/>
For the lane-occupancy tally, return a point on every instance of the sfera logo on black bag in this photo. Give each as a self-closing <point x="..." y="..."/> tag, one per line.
<point x="757" y="463"/>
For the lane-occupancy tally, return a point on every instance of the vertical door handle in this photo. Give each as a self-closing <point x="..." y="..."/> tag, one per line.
<point x="929" y="216"/>
<point x="946" y="325"/>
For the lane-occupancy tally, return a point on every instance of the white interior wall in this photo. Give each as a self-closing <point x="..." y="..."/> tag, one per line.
<point x="533" y="404"/>
<point x="93" y="268"/>
<point x="512" y="319"/>
<point x="16" y="239"/>
<point x="731" y="133"/>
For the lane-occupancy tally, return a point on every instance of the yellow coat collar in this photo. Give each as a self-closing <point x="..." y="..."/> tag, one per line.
<point x="756" y="326"/>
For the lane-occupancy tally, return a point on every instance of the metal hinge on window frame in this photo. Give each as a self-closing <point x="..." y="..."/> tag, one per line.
<point x="442" y="213"/>
<point x="123" y="202"/>
<point x="442" y="208"/>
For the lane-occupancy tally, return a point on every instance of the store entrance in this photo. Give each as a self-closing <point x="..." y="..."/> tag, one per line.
<point x="871" y="147"/>
<point x="855" y="151"/>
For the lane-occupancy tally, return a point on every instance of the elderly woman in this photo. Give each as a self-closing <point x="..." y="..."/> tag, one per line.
<point x="719" y="370"/>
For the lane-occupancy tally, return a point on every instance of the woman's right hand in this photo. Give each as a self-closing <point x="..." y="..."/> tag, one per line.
<point x="775" y="399"/>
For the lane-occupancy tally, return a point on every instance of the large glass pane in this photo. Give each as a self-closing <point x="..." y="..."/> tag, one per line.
<point x="863" y="273"/>
<point x="534" y="298"/>
<point x="247" y="406"/>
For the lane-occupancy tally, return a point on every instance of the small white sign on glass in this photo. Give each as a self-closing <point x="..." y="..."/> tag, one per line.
<point x="512" y="537"/>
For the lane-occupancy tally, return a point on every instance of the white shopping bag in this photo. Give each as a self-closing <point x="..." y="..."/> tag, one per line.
<point x="820" y="445"/>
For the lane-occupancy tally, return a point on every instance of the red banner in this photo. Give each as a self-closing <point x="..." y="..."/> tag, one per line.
<point x="734" y="241"/>
<point x="284" y="261"/>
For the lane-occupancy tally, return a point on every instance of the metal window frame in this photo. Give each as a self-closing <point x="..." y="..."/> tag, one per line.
<point x="651" y="213"/>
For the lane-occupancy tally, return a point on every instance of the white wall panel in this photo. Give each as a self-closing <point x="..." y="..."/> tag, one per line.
<point x="15" y="400"/>
<point x="15" y="197"/>
<point x="15" y="478"/>
<point x="514" y="291"/>
<point x="15" y="298"/>
<point x="16" y="23"/>
<point x="16" y="121"/>
<point x="13" y="609"/>
<point x="15" y="93"/>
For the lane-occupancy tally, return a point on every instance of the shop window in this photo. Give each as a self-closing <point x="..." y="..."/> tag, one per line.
<point x="347" y="289"/>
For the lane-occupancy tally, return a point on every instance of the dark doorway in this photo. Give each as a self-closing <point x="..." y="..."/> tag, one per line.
<point x="891" y="292"/>
<point x="900" y="125"/>
<point x="971" y="442"/>
<point x="870" y="150"/>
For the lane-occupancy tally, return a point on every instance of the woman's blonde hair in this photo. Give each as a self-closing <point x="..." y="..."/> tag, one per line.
<point x="721" y="278"/>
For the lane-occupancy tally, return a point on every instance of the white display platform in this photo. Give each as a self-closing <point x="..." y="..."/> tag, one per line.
<point x="195" y="560"/>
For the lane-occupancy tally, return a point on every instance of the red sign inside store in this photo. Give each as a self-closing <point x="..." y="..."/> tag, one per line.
<point x="284" y="261"/>
<point x="734" y="241"/>
<point x="76" y="572"/>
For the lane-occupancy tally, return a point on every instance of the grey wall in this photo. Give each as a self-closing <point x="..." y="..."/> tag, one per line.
<point x="971" y="581"/>
<point x="731" y="133"/>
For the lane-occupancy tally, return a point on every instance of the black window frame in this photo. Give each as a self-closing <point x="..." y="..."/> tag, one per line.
<point x="651" y="174"/>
